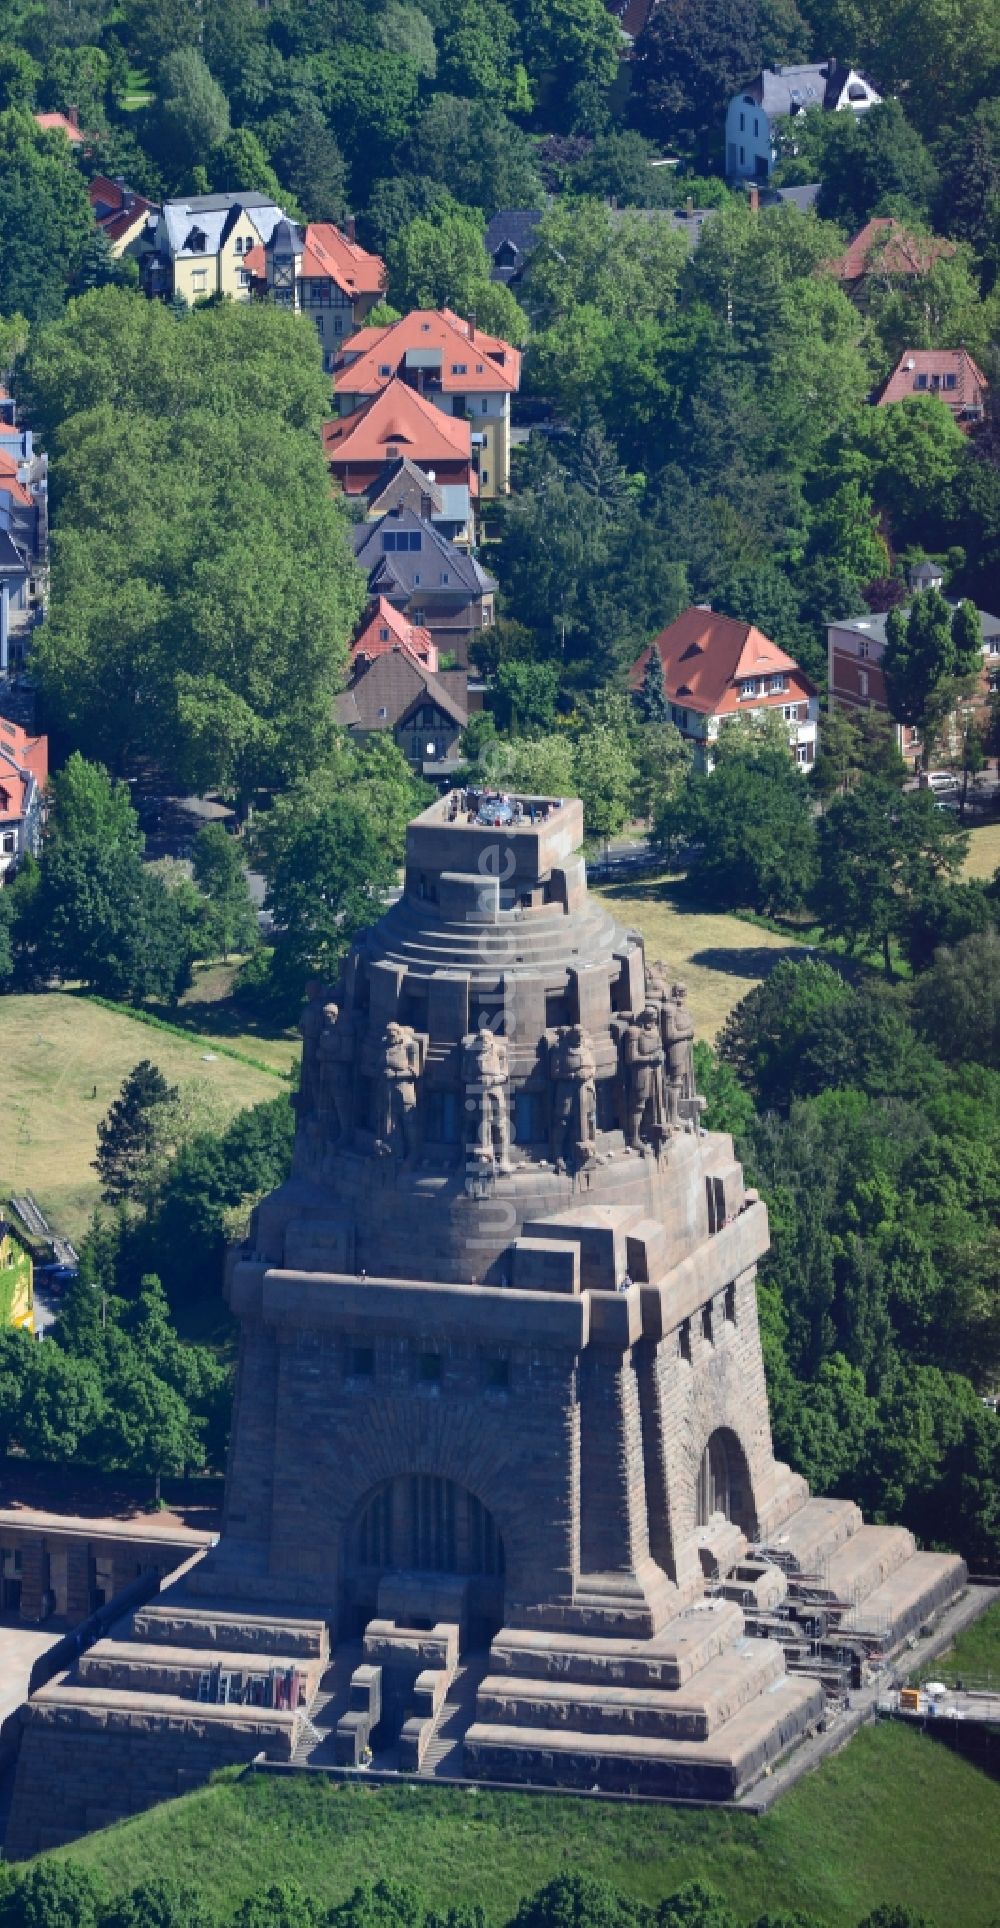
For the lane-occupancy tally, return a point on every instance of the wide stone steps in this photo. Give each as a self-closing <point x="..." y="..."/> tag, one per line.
<point x="692" y="1713"/>
<point x="157" y="1668"/>
<point x="812" y="1534"/>
<point x="718" y="1768"/>
<point x="668" y="1660"/>
<point x="184" y="1623"/>
<point x="316" y="1746"/>
<point x="866" y="1560"/>
<point x="917" y="1591"/>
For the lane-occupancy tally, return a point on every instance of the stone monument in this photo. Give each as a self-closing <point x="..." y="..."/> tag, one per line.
<point x="501" y="1463"/>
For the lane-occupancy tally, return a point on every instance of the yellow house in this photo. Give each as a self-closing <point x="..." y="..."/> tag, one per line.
<point x="198" y="247"/>
<point x="16" y="1280"/>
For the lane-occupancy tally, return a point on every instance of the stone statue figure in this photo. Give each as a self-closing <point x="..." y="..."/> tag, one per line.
<point x="396" y="1091"/>
<point x="336" y="1072"/>
<point x="678" y="1031"/>
<point x="307" y="1100"/>
<point x="485" y="1073"/>
<point x="573" y="1070"/>
<point x="646" y="1096"/>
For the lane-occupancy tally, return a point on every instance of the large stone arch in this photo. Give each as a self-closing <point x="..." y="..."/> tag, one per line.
<point x="723" y="1482"/>
<point x="424" y="1522"/>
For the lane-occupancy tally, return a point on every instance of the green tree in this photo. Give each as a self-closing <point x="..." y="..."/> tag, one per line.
<point x="651" y="698"/>
<point x="308" y="158"/>
<point x="64" y="1409"/>
<point x="604" y="774"/>
<point x="957" y="1001"/>
<point x="54" y="1891"/>
<point x="329" y="848"/>
<point x="875" y="156"/>
<point x="879" y="849"/>
<point x="219" y="871"/>
<point x="192" y="110"/>
<point x="690" y="58"/>
<point x="663" y="762"/>
<point x="46" y="219"/>
<point x="932" y="654"/>
<point x="752" y="822"/>
<point x="99" y="915"/>
<point x="131" y="1136"/>
<point x="404" y="29"/>
<point x="160" y="1903"/>
<point x="240" y="159"/>
<point x="148" y="1426"/>
<point x="539" y="766"/>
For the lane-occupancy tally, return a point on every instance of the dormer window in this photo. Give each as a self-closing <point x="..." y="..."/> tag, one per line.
<point x="459" y="368"/>
<point x="750" y="686"/>
<point x="384" y="368"/>
<point x="777" y="682"/>
<point x="196" y="242"/>
<point x="920" y="381"/>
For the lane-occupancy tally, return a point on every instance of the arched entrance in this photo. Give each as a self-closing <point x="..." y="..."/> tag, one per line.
<point x="724" y="1482"/>
<point x="423" y="1524"/>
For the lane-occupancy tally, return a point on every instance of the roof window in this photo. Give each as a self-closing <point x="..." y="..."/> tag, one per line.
<point x="384" y="368"/>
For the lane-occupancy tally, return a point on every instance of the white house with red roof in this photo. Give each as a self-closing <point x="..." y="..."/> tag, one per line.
<point x="320" y="272"/>
<point x="24" y="770"/>
<point x="716" y="668"/>
<point x="451" y="363"/>
<point x="395" y="421"/>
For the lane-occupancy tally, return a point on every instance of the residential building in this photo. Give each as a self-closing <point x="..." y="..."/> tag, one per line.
<point x="465" y="373"/>
<point x="320" y="272"/>
<point x="855" y="649"/>
<point x="16" y="1282"/>
<point x="510" y="240"/>
<point x="425" y="712"/>
<point x="949" y="373"/>
<point x="884" y="251"/>
<point x="383" y="628"/>
<point x="398" y="421"/>
<point x="716" y="668"/>
<point x="434" y="584"/>
<point x="199" y="246"/>
<point x="24" y="770"/>
<point x="121" y="214"/>
<point x="403" y="485"/>
<point x="15" y="605"/>
<point x="24" y="493"/>
<point x="61" y="124"/>
<point x="760" y="113"/>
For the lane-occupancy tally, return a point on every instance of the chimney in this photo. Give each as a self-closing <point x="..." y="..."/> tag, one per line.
<point x="350" y="226"/>
<point x="472" y="324"/>
<point x="426" y="508"/>
<point x="753" y="196"/>
<point x="73" y="116"/>
<point x="689" y="207"/>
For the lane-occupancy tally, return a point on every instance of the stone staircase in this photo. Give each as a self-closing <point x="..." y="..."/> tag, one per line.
<point x="443" y="1756"/>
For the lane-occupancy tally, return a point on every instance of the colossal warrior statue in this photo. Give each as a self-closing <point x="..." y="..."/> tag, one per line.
<point x="336" y="1072"/>
<point x="485" y="1073"/>
<point x="644" y="1060"/>
<point x="678" y="1035"/>
<point x="573" y="1070"/>
<point x="500" y="1392"/>
<point x="398" y="1071"/>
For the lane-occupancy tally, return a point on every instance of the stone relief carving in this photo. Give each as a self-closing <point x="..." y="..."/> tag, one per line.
<point x="307" y="1098"/>
<point x="485" y="1076"/>
<point x="678" y="1032"/>
<point x="573" y="1071"/>
<point x="336" y="1072"/>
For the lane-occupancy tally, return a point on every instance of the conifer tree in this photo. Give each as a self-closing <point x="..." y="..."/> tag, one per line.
<point x="652" y="697"/>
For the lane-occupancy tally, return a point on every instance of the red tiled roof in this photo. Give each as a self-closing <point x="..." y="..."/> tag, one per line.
<point x="21" y="758"/>
<point x="400" y="419"/>
<point x="704" y="655"/>
<point x="884" y="243"/>
<point x="50" y="121"/>
<point x="934" y="364"/>
<point x="328" y="255"/>
<point x="412" y="638"/>
<point x="9" y="485"/>
<point x="476" y="363"/>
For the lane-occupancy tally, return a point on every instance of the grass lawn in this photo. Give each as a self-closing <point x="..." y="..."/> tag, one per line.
<point x="984" y="851"/>
<point x="895" y="1817"/>
<point x="210" y="1008"/>
<point x="719" y="957"/>
<point x="55" y="1050"/>
<point x="975" y="1655"/>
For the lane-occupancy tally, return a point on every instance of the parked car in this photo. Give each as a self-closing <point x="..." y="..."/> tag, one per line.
<point x="942" y="781"/>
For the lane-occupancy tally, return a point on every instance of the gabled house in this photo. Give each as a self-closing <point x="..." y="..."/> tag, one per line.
<point x="199" y="246"/>
<point x="320" y="272"/>
<point x="434" y="584"/>
<point x="761" y="112"/>
<point x="510" y="240"/>
<point x="716" y="668"/>
<point x="383" y="628"/>
<point x="394" y="422"/>
<point x="424" y="712"/>
<point x="949" y="373"/>
<point x="403" y="485"/>
<point x="121" y="214"/>
<point x="24" y="770"/>
<point x="464" y="373"/>
<point x="885" y="251"/>
<point x="856" y="646"/>
<point x="23" y="498"/>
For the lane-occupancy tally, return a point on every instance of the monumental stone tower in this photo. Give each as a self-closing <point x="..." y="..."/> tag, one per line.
<point x="501" y="1499"/>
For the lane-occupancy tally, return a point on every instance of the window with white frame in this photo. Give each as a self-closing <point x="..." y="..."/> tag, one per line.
<point x="775" y="683"/>
<point x="750" y="686"/>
